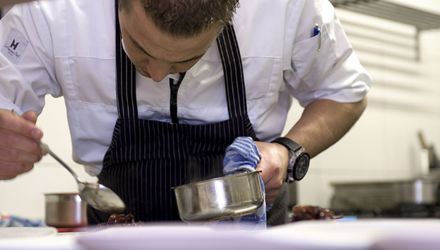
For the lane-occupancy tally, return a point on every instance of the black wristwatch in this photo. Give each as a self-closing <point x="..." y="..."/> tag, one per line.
<point x="299" y="159"/>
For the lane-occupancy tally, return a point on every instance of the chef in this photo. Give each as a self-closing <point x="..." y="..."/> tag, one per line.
<point x="155" y="90"/>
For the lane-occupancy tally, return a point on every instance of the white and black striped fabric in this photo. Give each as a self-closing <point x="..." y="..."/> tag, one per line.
<point x="147" y="158"/>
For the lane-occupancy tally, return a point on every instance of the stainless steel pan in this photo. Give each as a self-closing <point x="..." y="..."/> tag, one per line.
<point x="220" y="198"/>
<point x="65" y="210"/>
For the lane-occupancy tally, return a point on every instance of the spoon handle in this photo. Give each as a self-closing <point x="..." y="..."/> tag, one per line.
<point x="46" y="148"/>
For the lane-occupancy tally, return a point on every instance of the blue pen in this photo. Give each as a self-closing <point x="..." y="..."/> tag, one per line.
<point x="317" y="32"/>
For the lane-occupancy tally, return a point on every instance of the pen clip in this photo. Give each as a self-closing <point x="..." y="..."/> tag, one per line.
<point x="317" y="32"/>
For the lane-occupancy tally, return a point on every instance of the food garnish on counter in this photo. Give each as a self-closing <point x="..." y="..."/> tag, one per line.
<point x="307" y="212"/>
<point x="121" y="219"/>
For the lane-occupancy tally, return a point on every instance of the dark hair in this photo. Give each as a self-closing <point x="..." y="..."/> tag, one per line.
<point x="186" y="17"/>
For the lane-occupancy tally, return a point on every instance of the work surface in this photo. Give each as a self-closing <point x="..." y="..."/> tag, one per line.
<point x="361" y="234"/>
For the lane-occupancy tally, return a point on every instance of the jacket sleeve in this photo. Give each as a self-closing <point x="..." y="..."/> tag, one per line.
<point x="27" y="69"/>
<point x="323" y="64"/>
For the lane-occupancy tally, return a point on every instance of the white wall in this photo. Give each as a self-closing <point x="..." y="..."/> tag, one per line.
<point x="383" y="144"/>
<point x="404" y="99"/>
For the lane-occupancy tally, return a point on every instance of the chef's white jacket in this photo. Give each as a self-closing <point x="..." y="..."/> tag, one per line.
<point x="66" y="48"/>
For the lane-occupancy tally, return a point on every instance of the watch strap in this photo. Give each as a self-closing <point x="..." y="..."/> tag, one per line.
<point x="290" y="144"/>
<point x="294" y="172"/>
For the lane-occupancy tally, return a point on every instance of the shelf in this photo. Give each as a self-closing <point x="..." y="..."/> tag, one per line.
<point x="420" y="19"/>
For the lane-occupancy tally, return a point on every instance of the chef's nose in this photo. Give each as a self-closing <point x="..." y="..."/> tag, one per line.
<point x="158" y="70"/>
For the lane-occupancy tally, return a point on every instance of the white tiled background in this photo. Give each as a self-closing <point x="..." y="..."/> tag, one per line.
<point x="383" y="145"/>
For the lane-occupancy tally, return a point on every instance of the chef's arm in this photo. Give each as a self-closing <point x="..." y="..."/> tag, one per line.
<point x="324" y="122"/>
<point x="27" y="74"/>
<point x="27" y="65"/>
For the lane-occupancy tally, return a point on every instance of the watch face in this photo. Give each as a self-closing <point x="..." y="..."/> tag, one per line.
<point x="302" y="165"/>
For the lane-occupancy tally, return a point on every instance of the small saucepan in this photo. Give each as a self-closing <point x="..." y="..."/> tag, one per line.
<point x="65" y="210"/>
<point x="220" y="198"/>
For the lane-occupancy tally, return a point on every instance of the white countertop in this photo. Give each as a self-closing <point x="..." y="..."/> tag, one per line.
<point x="37" y="238"/>
<point x="356" y="235"/>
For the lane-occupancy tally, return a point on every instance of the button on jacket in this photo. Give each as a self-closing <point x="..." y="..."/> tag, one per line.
<point x="289" y="48"/>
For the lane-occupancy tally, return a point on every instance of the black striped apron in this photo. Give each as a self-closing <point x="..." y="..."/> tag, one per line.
<point x="147" y="158"/>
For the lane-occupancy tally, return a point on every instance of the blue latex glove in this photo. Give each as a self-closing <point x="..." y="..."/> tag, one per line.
<point x="243" y="156"/>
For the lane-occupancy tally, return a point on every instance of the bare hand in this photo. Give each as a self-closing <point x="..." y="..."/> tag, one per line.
<point x="19" y="143"/>
<point x="273" y="167"/>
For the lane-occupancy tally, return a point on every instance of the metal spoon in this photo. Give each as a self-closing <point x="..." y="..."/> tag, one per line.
<point x="96" y="195"/>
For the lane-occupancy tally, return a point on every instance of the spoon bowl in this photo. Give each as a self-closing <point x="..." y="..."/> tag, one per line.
<point x="101" y="197"/>
<point x="96" y="195"/>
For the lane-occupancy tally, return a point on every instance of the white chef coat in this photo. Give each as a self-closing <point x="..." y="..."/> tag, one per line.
<point x="66" y="48"/>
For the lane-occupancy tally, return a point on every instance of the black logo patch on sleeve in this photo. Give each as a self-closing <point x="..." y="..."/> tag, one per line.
<point x="15" y="46"/>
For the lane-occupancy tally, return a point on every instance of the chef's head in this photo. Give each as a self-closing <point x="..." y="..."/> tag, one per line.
<point x="164" y="37"/>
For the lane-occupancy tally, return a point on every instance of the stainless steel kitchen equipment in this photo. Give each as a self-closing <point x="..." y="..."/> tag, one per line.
<point x="432" y="158"/>
<point x="418" y="197"/>
<point x="220" y="198"/>
<point x="65" y="210"/>
<point x="96" y="195"/>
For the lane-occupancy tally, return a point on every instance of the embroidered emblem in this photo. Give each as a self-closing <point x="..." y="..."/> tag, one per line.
<point x="15" y="46"/>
